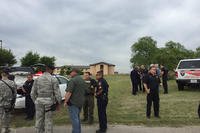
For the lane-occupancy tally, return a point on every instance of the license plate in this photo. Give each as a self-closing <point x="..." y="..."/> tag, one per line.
<point x="193" y="81"/>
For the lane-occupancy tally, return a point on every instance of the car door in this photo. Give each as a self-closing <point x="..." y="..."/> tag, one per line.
<point x="62" y="85"/>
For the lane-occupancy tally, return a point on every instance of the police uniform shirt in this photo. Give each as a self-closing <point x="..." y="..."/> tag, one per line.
<point x="135" y="76"/>
<point x="144" y="71"/>
<point x="28" y="86"/>
<point x="102" y="85"/>
<point x="152" y="82"/>
<point x="165" y="72"/>
<point x="91" y="84"/>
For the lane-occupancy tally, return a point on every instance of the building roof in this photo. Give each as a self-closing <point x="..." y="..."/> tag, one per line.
<point x="102" y="63"/>
<point x="76" y="66"/>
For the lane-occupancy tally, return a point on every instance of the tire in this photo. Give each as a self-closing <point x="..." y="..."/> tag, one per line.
<point x="180" y="86"/>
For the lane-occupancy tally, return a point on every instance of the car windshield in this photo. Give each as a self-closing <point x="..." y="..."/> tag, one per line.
<point x="193" y="64"/>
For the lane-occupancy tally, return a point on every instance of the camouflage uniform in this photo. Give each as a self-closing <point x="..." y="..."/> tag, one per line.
<point x="45" y="92"/>
<point x="6" y="97"/>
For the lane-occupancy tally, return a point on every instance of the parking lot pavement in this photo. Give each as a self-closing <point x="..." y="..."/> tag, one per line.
<point x="118" y="129"/>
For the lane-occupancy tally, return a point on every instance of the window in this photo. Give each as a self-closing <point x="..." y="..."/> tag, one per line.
<point x="101" y="67"/>
<point x="189" y="64"/>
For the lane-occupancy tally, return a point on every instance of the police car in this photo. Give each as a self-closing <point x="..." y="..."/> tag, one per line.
<point x="188" y="73"/>
<point x="21" y="73"/>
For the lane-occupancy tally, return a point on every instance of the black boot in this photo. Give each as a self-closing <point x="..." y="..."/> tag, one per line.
<point x="100" y="131"/>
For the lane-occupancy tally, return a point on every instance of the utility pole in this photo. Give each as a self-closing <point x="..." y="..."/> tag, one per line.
<point x="1" y="43"/>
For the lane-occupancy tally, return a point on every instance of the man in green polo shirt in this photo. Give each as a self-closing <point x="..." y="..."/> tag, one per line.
<point x="74" y="99"/>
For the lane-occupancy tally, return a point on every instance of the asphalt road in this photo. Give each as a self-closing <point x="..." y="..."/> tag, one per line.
<point x="118" y="129"/>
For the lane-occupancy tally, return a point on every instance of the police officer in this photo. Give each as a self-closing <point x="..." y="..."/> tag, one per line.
<point x="30" y="106"/>
<point x="164" y="73"/>
<point x="88" y="106"/>
<point x="135" y="79"/>
<point x="102" y="101"/>
<point x="8" y="92"/>
<point x="45" y="93"/>
<point x="151" y="84"/>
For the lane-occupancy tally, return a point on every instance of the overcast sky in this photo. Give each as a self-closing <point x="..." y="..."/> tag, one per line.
<point x="88" y="31"/>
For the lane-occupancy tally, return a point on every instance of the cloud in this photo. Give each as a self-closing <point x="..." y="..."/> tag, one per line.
<point x="85" y="32"/>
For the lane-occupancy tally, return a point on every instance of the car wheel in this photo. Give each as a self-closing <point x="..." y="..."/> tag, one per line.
<point x="180" y="87"/>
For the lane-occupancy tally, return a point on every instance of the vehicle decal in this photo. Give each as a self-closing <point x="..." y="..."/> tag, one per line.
<point x="194" y="73"/>
<point x="182" y="73"/>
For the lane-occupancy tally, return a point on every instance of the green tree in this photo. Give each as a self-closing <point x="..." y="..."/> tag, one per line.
<point x="48" y="60"/>
<point x="68" y="70"/>
<point x="30" y="59"/>
<point x="172" y="53"/>
<point x="197" y="52"/>
<point x="144" y="51"/>
<point x="7" y="58"/>
<point x="63" y="70"/>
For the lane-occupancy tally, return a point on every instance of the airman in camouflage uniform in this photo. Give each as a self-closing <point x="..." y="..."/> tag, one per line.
<point x="6" y="97"/>
<point x="45" y="93"/>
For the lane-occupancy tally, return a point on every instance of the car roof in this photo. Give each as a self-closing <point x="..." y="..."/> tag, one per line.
<point x="190" y="59"/>
<point x="19" y="69"/>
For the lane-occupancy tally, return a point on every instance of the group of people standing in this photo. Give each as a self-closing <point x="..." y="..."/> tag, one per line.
<point x="43" y="96"/>
<point x="138" y="73"/>
<point x="80" y="93"/>
<point x="149" y="81"/>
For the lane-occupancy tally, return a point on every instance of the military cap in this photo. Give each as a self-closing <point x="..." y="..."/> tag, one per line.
<point x="6" y="71"/>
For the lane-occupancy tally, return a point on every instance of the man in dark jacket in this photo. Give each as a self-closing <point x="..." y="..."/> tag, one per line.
<point x="30" y="106"/>
<point x="135" y="79"/>
<point x="164" y="73"/>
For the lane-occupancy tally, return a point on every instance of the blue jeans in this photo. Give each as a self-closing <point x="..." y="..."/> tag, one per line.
<point x="74" y="113"/>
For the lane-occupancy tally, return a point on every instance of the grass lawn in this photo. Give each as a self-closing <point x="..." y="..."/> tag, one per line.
<point x="178" y="108"/>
